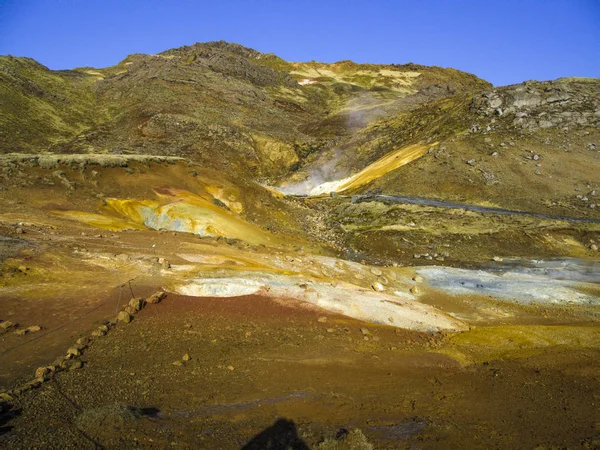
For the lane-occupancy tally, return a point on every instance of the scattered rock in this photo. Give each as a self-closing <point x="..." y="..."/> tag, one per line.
<point x="7" y="324"/>
<point x="330" y="330"/>
<point x="594" y="247"/>
<point x="178" y="363"/>
<point x="19" y="231"/>
<point x="322" y="319"/>
<point x="98" y="333"/>
<point x="33" y="328"/>
<point x="497" y="259"/>
<point x="375" y="271"/>
<point x="365" y="332"/>
<point x="414" y="290"/>
<point x="230" y="368"/>
<point x="417" y="279"/>
<point x="471" y="162"/>
<point x="156" y="297"/>
<point x="23" y="269"/>
<point x="21" y="332"/>
<point x="378" y="287"/>
<point x="136" y="304"/>
<point x="124" y="317"/>
<point x="41" y="372"/>
<point x="73" y="351"/>
<point x="186" y="357"/>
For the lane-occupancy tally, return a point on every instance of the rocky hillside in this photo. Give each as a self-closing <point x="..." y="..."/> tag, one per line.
<point x="222" y="105"/>
<point x="532" y="146"/>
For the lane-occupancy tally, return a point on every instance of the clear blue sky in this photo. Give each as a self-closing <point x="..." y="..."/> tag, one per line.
<point x="502" y="41"/>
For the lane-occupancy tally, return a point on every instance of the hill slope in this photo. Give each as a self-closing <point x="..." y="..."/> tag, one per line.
<point x="220" y="104"/>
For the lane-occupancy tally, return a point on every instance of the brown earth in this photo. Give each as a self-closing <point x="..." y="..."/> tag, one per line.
<point x="254" y="361"/>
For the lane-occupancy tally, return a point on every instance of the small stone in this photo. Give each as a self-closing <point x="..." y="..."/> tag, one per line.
<point x="164" y="263"/>
<point x="23" y="269"/>
<point x="21" y="332"/>
<point x="536" y="157"/>
<point x="186" y="357"/>
<point x="378" y="287"/>
<point x="124" y="317"/>
<point x="330" y="330"/>
<point x="103" y="328"/>
<point x="156" y="297"/>
<point x="73" y="351"/>
<point x="322" y="319"/>
<point x="594" y="247"/>
<point x="495" y="154"/>
<point x="136" y="303"/>
<point x="178" y="363"/>
<point x="41" y="372"/>
<point x="417" y="279"/>
<point x="34" y="328"/>
<point x="416" y="256"/>
<point x="6" y="325"/>
<point x="365" y="331"/>
<point x="414" y="290"/>
<point x="375" y="271"/>
<point x="230" y="368"/>
<point x="19" y="230"/>
<point x="98" y="333"/>
<point x="82" y="341"/>
<point x="497" y="259"/>
<point x="471" y="162"/>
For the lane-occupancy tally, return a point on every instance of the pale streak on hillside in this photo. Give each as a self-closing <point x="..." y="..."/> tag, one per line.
<point x="379" y="168"/>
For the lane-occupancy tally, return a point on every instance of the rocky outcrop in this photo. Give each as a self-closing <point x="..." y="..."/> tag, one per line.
<point x="563" y="103"/>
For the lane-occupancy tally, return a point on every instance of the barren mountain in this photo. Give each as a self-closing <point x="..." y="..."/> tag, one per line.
<point x="196" y="243"/>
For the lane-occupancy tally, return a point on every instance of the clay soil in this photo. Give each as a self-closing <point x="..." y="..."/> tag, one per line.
<point x="255" y="360"/>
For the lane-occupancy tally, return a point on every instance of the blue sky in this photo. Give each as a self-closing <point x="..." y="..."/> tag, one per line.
<point x="502" y="41"/>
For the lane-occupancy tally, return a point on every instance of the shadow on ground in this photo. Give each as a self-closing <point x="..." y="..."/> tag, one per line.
<point x="282" y="435"/>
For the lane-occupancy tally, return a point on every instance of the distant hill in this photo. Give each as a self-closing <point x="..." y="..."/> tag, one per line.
<point x="253" y="115"/>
